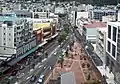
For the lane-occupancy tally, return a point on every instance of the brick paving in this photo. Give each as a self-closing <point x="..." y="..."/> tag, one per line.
<point x="74" y="62"/>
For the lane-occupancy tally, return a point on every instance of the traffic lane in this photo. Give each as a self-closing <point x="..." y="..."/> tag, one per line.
<point x="49" y="62"/>
<point x="41" y="71"/>
<point x="52" y="48"/>
<point x="53" y="59"/>
<point x="35" y="73"/>
<point x="49" y="51"/>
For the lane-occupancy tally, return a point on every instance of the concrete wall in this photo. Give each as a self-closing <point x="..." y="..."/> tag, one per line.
<point x="91" y="34"/>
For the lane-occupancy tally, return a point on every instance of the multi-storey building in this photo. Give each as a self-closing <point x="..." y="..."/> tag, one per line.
<point x="90" y="30"/>
<point x="16" y="36"/>
<point x="98" y="13"/>
<point x="101" y="43"/>
<point x="22" y="13"/>
<point x="113" y="49"/>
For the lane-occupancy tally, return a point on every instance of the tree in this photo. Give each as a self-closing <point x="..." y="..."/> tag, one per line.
<point x="61" y="60"/>
<point x="62" y="37"/>
<point x="66" y="28"/>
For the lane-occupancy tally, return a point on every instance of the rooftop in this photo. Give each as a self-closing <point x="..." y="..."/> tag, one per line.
<point x="114" y="23"/>
<point x="8" y="18"/>
<point x="104" y="29"/>
<point x="68" y="76"/>
<point x="104" y="10"/>
<point x="37" y="26"/>
<point x="96" y="25"/>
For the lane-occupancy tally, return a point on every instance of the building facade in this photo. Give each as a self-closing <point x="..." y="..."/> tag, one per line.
<point x="101" y="43"/>
<point x="16" y="36"/>
<point x="113" y="49"/>
<point x="98" y="13"/>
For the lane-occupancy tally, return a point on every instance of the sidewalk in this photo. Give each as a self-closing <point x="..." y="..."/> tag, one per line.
<point x="109" y="76"/>
<point x="74" y="62"/>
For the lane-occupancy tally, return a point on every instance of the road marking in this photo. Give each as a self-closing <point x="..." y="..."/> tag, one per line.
<point x="42" y="62"/>
<point x="28" y="77"/>
<point x="47" y="80"/>
<point x="53" y="51"/>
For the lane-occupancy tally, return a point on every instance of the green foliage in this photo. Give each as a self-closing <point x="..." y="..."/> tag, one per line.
<point x="66" y="28"/>
<point x="62" y="36"/>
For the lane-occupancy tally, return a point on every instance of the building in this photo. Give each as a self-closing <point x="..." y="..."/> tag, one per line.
<point x="60" y="10"/>
<point x="101" y="43"/>
<point x="80" y="23"/>
<point x="40" y="15"/>
<point x="90" y="31"/>
<point x="113" y="49"/>
<point x="22" y="13"/>
<point x="16" y="36"/>
<point x="67" y="76"/>
<point x="98" y="13"/>
<point x="108" y="18"/>
<point x="46" y="26"/>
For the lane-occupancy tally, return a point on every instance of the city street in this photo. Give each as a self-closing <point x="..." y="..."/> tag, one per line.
<point x="79" y="63"/>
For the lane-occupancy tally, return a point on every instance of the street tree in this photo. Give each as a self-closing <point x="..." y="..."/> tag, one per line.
<point x="66" y="28"/>
<point x="62" y="37"/>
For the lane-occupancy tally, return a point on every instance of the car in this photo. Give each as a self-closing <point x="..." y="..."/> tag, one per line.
<point x="41" y="79"/>
<point x="45" y="66"/>
<point x="33" y="78"/>
<point x="55" y="53"/>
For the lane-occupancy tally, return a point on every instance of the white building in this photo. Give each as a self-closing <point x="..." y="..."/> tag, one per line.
<point x="80" y="23"/>
<point x="101" y="43"/>
<point x="90" y="32"/>
<point x="16" y="36"/>
<point x="40" y="15"/>
<point x="113" y="49"/>
<point x="60" y="10"/>
<point x="108" y="18"/>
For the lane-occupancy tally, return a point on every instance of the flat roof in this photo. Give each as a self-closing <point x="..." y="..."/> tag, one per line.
<point x="68" y="78"/>
<point x="96" y="25"/>
<point x="7" y="18"/>
<point x="37" y="26"/>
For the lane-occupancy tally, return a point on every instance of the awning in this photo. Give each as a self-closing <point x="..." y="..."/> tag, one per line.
<point x="14" y="61"/>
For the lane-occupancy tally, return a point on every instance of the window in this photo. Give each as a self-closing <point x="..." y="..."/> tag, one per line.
<point x="114" y="33"/>
<point x="109" y="47"/>
<point x="15" y="40"/>
<point x="113" y="50"/>
<point x="4" y="33"/>
<point x="4" y="38"/>
<point x="4" y="44"/>
<point x="109" y="31"/>
<point x="4" y="48"/>
<point x="9" y="39"/>
<point x="9" y="34"/>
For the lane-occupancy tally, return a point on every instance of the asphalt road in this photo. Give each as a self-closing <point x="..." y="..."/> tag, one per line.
<point x="26" y="71"/>
<point x="39" y="68"/>
<point x="50" y="61"/>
